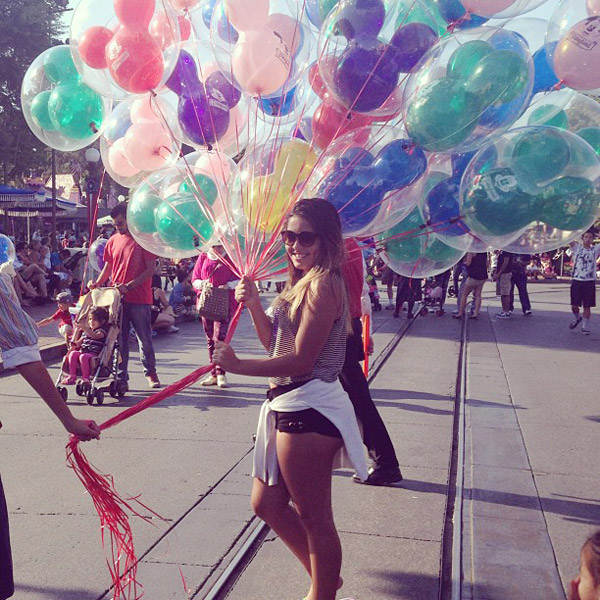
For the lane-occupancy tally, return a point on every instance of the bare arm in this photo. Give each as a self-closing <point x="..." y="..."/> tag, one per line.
<point x="102" y="278"/>
<point x="45" y="322"/>
<point x="36" y="374"/>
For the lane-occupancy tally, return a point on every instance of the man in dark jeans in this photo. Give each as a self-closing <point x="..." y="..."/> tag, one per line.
<point x="519" y="279"/>
<point x="385" y="469"/>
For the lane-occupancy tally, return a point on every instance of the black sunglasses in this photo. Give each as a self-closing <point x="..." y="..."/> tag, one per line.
<point x="306" y="238"/>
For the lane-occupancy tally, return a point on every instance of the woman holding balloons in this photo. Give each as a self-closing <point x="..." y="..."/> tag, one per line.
<point x="307" y="418"/>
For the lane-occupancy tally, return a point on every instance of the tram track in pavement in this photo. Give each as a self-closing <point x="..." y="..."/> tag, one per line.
<point x="252" y="537"/>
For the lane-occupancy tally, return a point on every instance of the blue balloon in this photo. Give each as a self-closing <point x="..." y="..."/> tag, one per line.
<point x="354" y="157"/>
<point x="280" y="106"/>
<point x="226" y="30"/>
<point x="452" y="10"/>
<point x="544" y="78"/>
<point x="443" y="203"/>
<point x="499" y="115"/>
<point x="399" y="164"/>
<point x="7" y="249"/>
<point x="460" y="162"/>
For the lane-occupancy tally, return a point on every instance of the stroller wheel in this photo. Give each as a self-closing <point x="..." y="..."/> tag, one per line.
<point x="90" y="398"/>
<point x="79" y="389"/>
<point x="99" y="397"/>
<point x="121" y="388"/>
<point x="423" y="312"/>
<point x="113" y="389"/>
<point x="63" y="391"/>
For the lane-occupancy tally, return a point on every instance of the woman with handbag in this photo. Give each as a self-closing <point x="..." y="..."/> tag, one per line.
<point x="214" y="282"/>
<point x="307" y="418"/>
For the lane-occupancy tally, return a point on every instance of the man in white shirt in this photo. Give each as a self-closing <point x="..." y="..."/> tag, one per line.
<point x="583" y="285"/>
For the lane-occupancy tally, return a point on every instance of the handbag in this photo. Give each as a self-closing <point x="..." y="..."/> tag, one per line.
<point x="213" y="302"/>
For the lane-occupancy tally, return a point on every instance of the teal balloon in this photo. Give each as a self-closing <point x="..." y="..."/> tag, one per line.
<point x="539" y="155"/>
<point x="498" y="78"/>
<point x="570" y="203"/>
<point x="76" y="110"/>
<point x="59" y="66"/>
<point x="495" y="202"/>
<point x="464" y="59"/>
<point x="411" y="12"/>
<point x="181" y="223"/>
<point x="442" y="115"/>
<point x="141" y="210"/>
<point x="39" y="111"/>
<point x="205" y="188"/>
<point x="439" y="252"/>
<point x="402" y="242"/>
<point x="592" y="136"/>
<point x="548" y="115"/>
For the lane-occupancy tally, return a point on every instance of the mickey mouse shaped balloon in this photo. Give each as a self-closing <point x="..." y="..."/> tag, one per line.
<point x="122" y="48"/>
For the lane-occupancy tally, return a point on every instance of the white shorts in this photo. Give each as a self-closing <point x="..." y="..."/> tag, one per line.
<point x="16" y="357"/>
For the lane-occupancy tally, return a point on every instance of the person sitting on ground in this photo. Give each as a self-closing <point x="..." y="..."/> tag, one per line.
<point x="87" y="347"/>
<point x="163" y="316"/>
<point x="30" y="271"/>
<point x="586" y="586"/>
<point x="63" y="316"/>
<point x="181" y="299"/>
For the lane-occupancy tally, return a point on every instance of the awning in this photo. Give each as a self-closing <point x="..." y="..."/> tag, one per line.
<point x="10" y="195"/>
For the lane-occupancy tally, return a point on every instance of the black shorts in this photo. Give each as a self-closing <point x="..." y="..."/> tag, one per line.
<point x="583" y="293"/>
<point x="301" y="421"/>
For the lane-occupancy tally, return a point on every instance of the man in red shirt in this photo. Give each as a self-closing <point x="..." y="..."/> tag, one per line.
<point x="130" y="269"/>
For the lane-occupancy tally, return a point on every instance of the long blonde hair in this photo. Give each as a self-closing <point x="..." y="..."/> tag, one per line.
<point x="300" y="288"/>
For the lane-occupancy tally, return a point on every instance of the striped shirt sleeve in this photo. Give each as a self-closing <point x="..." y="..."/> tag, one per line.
<point x="17" y="328"/>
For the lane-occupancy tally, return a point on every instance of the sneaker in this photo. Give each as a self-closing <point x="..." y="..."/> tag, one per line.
<point x="153" y="381"/>
<point x="575" y="322"/>
<point x="380" y="476"/>
<point x="585" y="330"/>
<point x="172" y="329"/>
<point x="439" y="312"/>
<point x="528" y="313"/>
<point x="210" y="380"/>
<point x="473" y="316"/>
<point x="222" y="381"/>
<point x="390" y="306"/>
<point x="456" y="315"/>
<point x="154" y="333"/>
<point x="503" y="315"/>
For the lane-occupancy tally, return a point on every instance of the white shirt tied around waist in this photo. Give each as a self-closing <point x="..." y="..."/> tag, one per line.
<point x="333" y="403"/>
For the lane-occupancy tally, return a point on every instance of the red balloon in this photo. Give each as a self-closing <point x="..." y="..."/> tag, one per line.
<point x="316" y="81"/>
<point x="135" y="60"/>
<point x="185" y="28"/>
<point x="92" y="46"/>
<point x="135" y="14"/>
<point x="332" y="120"/>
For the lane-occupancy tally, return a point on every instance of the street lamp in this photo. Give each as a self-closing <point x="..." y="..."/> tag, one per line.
<point x="92" y="187"/>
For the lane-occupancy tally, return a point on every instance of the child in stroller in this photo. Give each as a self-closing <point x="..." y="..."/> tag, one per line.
<point x="373" y="291"/>
<point x="88" y="346"/>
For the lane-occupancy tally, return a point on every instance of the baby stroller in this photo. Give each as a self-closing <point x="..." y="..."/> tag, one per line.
<point x="373" y="292"/>
<point x="106" y="368"/>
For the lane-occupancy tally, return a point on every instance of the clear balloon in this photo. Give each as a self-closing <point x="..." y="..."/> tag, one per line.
<point x="500" y="9"/>
<point x="96" y="254"/>
<point x="60" y="109"/>
<point x="532" y="190"/>
<point x="7" y="250"/>
<point x="488" y="74"/>
<point x="124" y="47"/>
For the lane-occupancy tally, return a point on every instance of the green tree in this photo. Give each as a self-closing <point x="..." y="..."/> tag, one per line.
<point x="27" y="28"/>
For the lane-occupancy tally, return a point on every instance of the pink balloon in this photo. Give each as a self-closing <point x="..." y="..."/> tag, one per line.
<point x="260" y="62"/>
<point x="245" y="15"/>
<point x="486" y="8"/>
<point x="289" y="29"/>
<point x="135" y="14"/>
<point x="593" y="7"/>
<point x="215" y="164"/>
<point x="147" y="146"/>
<point x="184" y="4"/>
<point x="118" y="162"/>
<point x="144" y="109"/>
<point x="577" y="56"/>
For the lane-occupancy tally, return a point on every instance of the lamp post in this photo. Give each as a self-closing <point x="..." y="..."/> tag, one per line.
<point x="92" y="187"/>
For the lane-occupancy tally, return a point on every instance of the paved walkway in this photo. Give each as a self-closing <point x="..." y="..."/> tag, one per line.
<point x="532" y="474"/>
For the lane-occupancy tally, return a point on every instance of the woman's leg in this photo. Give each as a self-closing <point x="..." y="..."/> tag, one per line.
<point x="464" y="295"/>
<point x="306" y="462"/>
<point x="477" y="293"/>
<point x="209" y="330"/>
<point x="221" y="335"/>
<point x="163" y="321"/>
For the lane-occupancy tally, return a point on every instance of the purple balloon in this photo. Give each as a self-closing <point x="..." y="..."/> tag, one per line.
<point x="410" y="43"/>
<point x="360" y="18"/>
<point x="218" y="84"/>
<point x="203" y="117"/>
<point x="365" y="77"/>
<point x="184" y="78"/>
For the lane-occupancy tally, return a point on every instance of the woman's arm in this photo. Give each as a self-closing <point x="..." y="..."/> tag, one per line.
<point x="469" y="258"/>
<point x="318" y="316"/>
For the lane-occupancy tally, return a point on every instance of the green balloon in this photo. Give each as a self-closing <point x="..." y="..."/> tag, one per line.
<point x="39" y="111"/>
<point x="442" y="115"/>
<point x="495" y="202"/>
<point x="205" y="188"/>
<point x="181" y="223"/>
<point x="405" y="248"/>
<point x="141" y="210"/>
<point x="464" y="59"/>
<point x="499" y="77"/>
<point x="76" y="110"/>
<point x="411" y="12"/>
<point x="540" y="155"/>
<point x="326" y="6"/>
<point x="592" y="136"/>
<point x="438" y="251"/>
<point x="547" y="115"/>
<point x="570" y="203"/>
<point x="59" y="66"/>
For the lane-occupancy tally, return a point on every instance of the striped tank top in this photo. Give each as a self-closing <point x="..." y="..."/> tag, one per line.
<point x="330" y="361"/>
